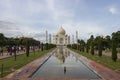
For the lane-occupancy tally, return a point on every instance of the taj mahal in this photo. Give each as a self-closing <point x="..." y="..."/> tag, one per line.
<point x="61" y="38"/>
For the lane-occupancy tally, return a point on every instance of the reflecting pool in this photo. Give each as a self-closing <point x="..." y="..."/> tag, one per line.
<point x="64" y="64"/>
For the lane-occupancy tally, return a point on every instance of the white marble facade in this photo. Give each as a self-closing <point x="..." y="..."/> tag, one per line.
<point x="61" y="38"/>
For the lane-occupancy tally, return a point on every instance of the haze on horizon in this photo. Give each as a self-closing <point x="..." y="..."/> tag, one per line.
<point x="32" y="18"/>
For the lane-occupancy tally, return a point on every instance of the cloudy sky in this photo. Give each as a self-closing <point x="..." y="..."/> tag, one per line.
<point x="33" y="17"/>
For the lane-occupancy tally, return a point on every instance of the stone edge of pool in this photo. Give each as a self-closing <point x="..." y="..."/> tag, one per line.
<point x="26" y="71"/>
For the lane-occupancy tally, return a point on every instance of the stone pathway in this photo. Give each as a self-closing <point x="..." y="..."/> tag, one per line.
<point x="108" y="54"/>
<point x="7" y="56"/>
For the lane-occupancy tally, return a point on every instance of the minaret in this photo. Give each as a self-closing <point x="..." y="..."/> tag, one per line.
<point x="68" y="39"/>
<point x="46" y="36"/>
<point x="50" y="38"/>
<point x="76" y="36"/>
<point x="72" y="39"/>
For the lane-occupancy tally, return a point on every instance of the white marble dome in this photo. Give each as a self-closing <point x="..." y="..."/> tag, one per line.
<point x="61" y="31"/>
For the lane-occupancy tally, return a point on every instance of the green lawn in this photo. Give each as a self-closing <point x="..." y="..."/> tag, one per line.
<point x="104" y="60"/>
<point x="11" y="65"/>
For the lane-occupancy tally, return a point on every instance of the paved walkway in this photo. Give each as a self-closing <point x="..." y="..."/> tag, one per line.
<point x="26" y="71"/>
<point x="108" y="54"/>
<point x="6" y="56"/>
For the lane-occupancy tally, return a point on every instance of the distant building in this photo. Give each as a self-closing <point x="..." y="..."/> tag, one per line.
<point x="76" y="36"/>
<point x="49" y="38"/>
<point x="61" y="38"/>
<point x="46" y="36"/>
<point x="73" y="39"/>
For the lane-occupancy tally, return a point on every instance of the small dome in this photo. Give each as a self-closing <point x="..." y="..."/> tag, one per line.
<point x="61" y="31"/>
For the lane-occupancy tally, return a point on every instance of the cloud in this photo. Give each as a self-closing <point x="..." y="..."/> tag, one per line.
<point x="6" y="26"/>
<point x="85" y="29"/>
<point x="32" y="18"/>
<point x="12" y="29"/>
<point x="113" y="10"/>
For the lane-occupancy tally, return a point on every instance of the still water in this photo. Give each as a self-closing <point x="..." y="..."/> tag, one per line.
<point x="64" y="64"/>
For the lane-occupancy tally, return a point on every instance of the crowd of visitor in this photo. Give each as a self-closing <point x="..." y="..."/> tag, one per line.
<point x="11" y="50"/>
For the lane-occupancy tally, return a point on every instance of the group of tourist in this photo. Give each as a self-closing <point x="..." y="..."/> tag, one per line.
<point x="11" y="50"/>
<point x="15" y="49"/>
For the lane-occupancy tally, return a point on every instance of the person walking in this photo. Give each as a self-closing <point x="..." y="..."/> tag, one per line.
<point x="8" y="51"/>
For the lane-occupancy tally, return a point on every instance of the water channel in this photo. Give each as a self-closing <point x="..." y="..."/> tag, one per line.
<point x="64" y="64"/>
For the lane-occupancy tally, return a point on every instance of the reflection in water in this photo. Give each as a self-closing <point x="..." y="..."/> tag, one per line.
<point x="64" y="64"/>
<point x="61" y="54"/>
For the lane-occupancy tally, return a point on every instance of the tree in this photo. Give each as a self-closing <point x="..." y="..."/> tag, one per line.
<point x="92" y="44"/>
<point x="27" y="48"/>
<point x="81" y="45"/>
<point x="46" y="46"/>
<point x="87" y="47"/>
<point x="114" y="51"/>
<point x="2" y="39"/>
<point x="41" y="46"/>
<point x="116" y="35"/>
<point x="74" y="46"/>
<point x="108" y="41"/>
<point x="92" y="47"/>
<point x="1" y="36"/>
<point x="100" y="46"/>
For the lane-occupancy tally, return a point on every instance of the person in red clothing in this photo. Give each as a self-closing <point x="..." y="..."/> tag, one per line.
<point x="10" y="49"/>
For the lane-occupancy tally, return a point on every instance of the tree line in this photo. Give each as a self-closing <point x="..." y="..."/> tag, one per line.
<point x="100" y="43"/>
<point x="23" y="41"/>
